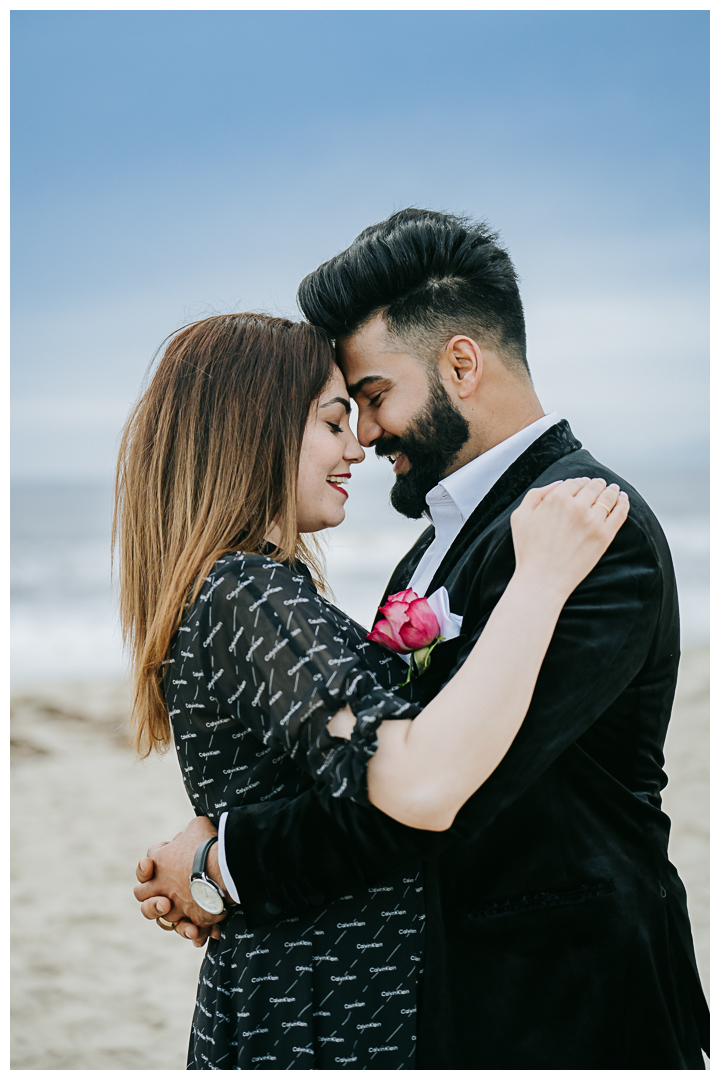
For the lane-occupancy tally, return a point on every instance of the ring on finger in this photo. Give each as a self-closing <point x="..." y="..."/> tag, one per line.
<point x="165" y="924"/>
<point x="606" y="508"/>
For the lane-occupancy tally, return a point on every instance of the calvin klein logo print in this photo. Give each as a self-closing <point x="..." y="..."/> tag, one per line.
<point x="237" y="693"/>
<point x="249" y="787"/>
<point x="212" y="725"/>
<point x="212" y="634"/>
<point x="254" y="645"/>
<point x="211" y="590"/>
<point x="268" y="592"/>
<point x="301" y="663"/>
<point x="239" y="588"/>
<point x="214" y="678"/>
<point x="273" y="652"/>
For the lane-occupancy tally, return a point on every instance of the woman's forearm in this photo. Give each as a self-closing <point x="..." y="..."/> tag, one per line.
<point x="425" y="770"/>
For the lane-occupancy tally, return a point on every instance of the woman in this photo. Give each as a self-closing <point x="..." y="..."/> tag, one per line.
<point x="236" y="452"/>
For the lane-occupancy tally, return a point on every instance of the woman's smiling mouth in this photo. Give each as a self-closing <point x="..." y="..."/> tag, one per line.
<point x="335" y="480"/>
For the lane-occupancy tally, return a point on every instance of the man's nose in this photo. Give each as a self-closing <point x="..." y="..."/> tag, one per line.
<point x="368" y="430"/>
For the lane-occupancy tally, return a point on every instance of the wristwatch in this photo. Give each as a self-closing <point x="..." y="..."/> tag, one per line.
<point x="206" y="893"/>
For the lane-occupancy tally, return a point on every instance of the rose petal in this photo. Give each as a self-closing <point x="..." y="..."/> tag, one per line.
<point x="384" y="634"/>
<point x="422" y="626"/>
<point x="393" y="606"/>
<point x="405" y="596"/>
<point x="396" y="615"/>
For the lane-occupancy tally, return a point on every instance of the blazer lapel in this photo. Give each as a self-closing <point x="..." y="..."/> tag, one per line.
<point x="555" y="443"/>
<point x="407" y="565"/>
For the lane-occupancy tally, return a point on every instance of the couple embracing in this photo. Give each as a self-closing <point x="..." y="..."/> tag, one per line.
<point x="397" y="862"/>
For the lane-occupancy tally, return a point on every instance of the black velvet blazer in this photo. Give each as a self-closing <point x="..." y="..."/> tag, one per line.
<point x="557" y="932"/>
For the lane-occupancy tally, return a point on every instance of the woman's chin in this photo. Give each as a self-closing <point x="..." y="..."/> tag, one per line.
<point x="330" y="521"/>
<point x="335" y="519"/>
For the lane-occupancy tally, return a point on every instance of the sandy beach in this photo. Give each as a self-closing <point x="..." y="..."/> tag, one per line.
<point x="97" y="987"/>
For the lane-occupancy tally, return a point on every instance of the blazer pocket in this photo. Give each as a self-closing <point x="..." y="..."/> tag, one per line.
<point x="551" y="918"/>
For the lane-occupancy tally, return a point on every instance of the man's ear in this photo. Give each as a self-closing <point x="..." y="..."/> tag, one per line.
<point x="464" y="363"/>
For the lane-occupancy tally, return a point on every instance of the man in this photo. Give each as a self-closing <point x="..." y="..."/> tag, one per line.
<point x="557" y="933"/>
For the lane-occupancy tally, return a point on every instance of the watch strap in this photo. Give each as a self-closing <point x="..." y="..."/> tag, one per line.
<point x="201" y="855"/>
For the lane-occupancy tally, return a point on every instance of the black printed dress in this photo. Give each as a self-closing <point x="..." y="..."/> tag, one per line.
<point x="257" y="668"/>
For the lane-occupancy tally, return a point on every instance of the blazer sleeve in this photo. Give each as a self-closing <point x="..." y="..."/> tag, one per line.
<point x="287" y="855"/>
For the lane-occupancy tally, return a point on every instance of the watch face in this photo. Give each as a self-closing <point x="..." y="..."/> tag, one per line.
<point x="206" y="896"/>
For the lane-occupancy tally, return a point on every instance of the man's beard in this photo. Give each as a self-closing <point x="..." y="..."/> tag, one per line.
<point x="432" y="440"/>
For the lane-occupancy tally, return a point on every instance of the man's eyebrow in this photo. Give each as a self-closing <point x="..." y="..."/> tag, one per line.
<point x="337" y="401"/>
<point x="358" y="386"/>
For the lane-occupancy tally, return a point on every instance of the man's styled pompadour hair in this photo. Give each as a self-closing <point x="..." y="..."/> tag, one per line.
<point x="431" y="275"/>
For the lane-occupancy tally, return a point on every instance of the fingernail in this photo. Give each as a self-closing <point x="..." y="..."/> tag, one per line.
<point x="162" y="907"/>
<point x="614" y="486"/>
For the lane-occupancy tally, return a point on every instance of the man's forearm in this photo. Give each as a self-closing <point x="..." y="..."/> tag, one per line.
<point x="287" y="855"/>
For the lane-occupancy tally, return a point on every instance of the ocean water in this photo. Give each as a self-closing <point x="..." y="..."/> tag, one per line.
<point x="64" y="620"/>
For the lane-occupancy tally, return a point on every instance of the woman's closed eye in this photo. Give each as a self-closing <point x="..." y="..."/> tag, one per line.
<point x="335" y="427"/>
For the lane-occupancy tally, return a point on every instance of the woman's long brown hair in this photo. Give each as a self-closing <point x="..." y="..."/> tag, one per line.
<point x="208" y="464"/>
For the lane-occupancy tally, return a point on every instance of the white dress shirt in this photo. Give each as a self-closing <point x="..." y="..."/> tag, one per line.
<point x="449" y="505"/>
<point x="452" y="501"/>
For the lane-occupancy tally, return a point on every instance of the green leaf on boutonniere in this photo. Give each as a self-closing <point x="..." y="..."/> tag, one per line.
<point x="420" y="660"/>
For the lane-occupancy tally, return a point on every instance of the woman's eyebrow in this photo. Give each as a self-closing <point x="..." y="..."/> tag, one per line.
<point x="337" y="401"/>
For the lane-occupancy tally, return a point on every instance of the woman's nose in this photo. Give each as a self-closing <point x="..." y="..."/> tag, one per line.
<point x="354" y="451"/>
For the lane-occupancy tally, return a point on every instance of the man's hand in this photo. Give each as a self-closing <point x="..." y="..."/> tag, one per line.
<point x="161" y="905"/>
<point x="164" y="878"/>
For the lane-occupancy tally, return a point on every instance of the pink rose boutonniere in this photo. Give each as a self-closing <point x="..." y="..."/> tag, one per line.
<point x="414" y="625"/>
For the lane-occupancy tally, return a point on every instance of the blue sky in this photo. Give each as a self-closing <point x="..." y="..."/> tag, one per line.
<point x="170" y="164"/>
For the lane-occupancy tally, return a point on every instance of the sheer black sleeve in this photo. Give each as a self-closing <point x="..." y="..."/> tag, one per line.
<point x="276" y="661"/>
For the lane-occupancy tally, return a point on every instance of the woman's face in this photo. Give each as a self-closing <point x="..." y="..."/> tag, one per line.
<point x="329" y="449"/>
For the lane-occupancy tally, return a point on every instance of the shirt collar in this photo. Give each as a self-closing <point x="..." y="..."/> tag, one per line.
<point x="463" y="490"/>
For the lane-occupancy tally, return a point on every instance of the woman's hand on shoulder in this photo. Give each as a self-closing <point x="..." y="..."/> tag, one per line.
<point x="561" y="531"/>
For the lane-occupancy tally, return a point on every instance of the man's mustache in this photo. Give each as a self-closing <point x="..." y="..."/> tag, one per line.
<point x="390" y="444"/>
